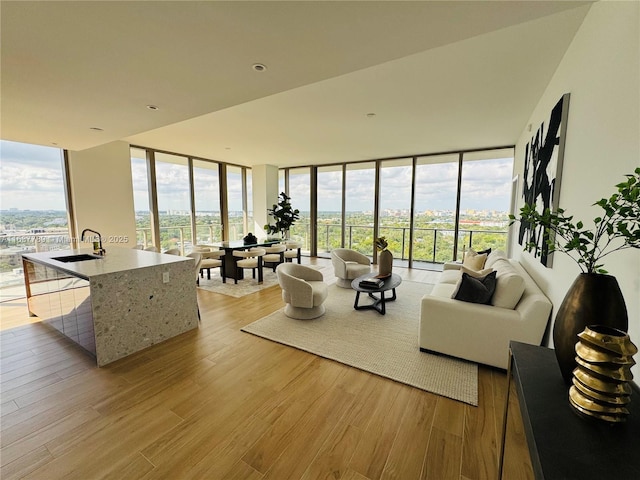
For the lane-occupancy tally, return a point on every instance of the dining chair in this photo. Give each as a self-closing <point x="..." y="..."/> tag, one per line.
<point x="151" y="249"/>
<point x="173" y="251"/>
<point x="274" y="255"/>
<point x="252" y="259"/>
<point x="197" y="257"/>
<point x="213" y="259"/>
<point x="292" y="251"/>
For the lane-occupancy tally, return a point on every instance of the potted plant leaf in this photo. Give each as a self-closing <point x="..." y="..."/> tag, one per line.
<point x="284" y="216"/>
<point x="595" y="297"/>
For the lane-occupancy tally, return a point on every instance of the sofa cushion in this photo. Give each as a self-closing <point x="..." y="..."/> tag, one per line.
<point x="473" y="260"/>
<point x="493" y="257"/>
<point x="475" y="290"/>
<point x="476" y="273"/>
<point x="449" y="276"/>
<point x="509" y="286"/>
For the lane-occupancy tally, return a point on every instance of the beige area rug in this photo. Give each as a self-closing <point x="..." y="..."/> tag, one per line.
<point x="386" y="345"/>
<point x="244" y="287"/>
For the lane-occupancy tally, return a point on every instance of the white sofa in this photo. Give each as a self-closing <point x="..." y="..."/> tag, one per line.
<point x="481" y="333"/>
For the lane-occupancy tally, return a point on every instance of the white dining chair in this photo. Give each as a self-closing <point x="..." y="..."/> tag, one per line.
<point x="249" y="259"/>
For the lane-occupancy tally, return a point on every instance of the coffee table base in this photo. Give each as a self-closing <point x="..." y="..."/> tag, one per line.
<point x="378" y="305"/>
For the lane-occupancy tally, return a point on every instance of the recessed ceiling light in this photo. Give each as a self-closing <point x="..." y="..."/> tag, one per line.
<point x="54" y="143"/>
<point x="371" y="115"/>
<point x="259" y="67"/>
<point x="152" y="107"/>
<point x="97" y="129"/>
<point x="227" y="148"/>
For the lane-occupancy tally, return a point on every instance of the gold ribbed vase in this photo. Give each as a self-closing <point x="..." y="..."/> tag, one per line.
<point x="601" y="379"/>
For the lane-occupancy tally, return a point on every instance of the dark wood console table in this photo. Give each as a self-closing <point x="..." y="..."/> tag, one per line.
<point x="563" y="445"/>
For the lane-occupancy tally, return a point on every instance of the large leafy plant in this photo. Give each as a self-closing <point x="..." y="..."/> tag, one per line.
<point x="616" y="229"/>
<point x="283" y="214"/>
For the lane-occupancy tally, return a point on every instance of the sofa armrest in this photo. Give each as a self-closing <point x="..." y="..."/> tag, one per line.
<point x="452" y="266"/>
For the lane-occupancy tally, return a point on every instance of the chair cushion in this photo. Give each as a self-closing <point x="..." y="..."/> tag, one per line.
<point x="248" y="263"/>
<point x="320" y="292"/>
<point x="475" y="290"/>
<point x="271" y="258"/>
<point x="354" y="270"/>
<point x="210" y="263"/>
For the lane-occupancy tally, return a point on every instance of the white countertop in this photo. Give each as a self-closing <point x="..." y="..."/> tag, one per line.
<point x="117" y="259"/>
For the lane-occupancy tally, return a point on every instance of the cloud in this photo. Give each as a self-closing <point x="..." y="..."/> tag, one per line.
<point x="31" y="177"/>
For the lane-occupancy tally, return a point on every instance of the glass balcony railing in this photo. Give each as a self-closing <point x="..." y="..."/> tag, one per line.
<point x="431" y="245"/>
<point x="11" y="249"/>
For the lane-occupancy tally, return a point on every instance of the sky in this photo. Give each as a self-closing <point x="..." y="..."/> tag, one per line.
<point x="31" y="178"/>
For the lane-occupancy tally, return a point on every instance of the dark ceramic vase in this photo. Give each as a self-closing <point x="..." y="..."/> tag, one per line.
<point x="593" y="299"/>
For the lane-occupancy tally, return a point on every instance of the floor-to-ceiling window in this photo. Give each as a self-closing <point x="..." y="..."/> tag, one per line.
<point x="485" y="196"/>
<point x="234" y="203"/>
<point x="435" y="208"/>
<point x="394" y="217"/>
<point x="300" y="193"/>
<point x="33" y="215"/>
<point x="140" y="179"/>
<point x="249" y="188"/>
<point x="191" y="199"/>
<point x="174" y="201"/>
<point x="206" y="192"/>
<point x="329" y="218"/>
<point x="421" y="203"/>
<point x="360" y="195"/>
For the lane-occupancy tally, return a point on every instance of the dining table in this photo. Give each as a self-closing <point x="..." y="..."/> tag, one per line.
<point x="230" y="270"/>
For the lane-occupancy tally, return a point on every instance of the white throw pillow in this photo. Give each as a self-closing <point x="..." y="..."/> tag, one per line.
<point x="474" y="261"/>
<point x="509" y="286"/>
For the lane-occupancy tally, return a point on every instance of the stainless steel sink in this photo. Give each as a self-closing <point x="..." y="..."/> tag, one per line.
<point x="76" y="258"/>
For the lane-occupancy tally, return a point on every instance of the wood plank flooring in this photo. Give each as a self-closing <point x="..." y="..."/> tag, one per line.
<point x="220" y="404"/>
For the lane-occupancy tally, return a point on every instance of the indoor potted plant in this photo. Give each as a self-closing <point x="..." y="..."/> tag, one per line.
<point x="594" y="297"/>
<point x="284" y="216"/>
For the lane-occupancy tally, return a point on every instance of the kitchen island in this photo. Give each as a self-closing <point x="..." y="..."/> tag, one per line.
<point x="112" y="305"/>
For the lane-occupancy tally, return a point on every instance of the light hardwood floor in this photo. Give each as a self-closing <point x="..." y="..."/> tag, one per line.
<point x="216" y="403"/>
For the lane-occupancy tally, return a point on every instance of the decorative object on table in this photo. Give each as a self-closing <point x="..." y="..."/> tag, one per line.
<point x="284" y="216"/>
<point x="594" y="298"/>
<point x="385" y="258"/>
<point x="250" y="239"/>
<point x="600" y="381"/>
<point x="543" y="159"/>
<point x="371" y="282"/>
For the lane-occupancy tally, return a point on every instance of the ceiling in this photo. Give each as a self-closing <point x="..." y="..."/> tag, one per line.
<point x="438" y="76"/>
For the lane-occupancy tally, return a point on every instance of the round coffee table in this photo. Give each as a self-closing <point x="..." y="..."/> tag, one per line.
<point x="389" y="283"/>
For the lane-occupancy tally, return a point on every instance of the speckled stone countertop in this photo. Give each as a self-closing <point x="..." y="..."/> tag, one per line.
<point x="117" y="259"/>
<point x="136" y="299"/>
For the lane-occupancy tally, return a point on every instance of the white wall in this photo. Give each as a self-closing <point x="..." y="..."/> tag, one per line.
<point x="102" y="193"/>
<point x="601" y="72"/>
<point x="265" y="194"/>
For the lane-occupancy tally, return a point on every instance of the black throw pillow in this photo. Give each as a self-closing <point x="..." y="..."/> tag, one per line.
<point x="476" y="290"/>
<point x="487" y="251"/>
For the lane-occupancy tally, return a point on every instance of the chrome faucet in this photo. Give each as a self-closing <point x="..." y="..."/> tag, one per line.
<point x="96" y="248"/>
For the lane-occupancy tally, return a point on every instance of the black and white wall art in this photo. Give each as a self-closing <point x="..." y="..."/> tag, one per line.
<point x="542" y="175"/>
